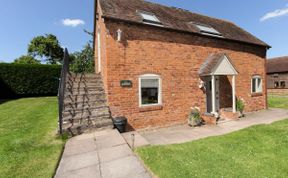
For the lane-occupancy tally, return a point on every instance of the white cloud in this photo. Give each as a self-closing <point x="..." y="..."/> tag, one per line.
<point x="274" y="14"/>
<point x="72" y="22"/>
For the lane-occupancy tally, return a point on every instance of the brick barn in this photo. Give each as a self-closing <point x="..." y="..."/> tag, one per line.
<point x="277" y="75"/>
<point x="158" y="62"/>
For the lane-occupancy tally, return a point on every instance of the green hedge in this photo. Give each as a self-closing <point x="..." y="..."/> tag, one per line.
<point x="20" y="80"/>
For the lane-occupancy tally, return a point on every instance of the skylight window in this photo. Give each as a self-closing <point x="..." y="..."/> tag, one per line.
<point x="150" y="18"/>
<point x="208" y="30"/>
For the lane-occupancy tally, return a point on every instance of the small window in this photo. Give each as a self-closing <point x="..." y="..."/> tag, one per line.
<point x="282" y="84"/>
<point x="208" y="30"/>
<point x="276" y="84"/>
<point x="150" y="90"/>
<point x="149" y="18"/>
<point x="275" y="75"/>
<point x="256" y="84"/>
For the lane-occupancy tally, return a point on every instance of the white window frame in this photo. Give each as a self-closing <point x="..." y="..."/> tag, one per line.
<point x="258" y="89"/>
<point x="154" y="17"/>
<point x="208" y="30"/>
<point x="150" y="76"/>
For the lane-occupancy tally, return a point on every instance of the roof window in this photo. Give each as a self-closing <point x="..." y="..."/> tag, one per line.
<point x="149" y="18"/>
<point x="207" y="30"/>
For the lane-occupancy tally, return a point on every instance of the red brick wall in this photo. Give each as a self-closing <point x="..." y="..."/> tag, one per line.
<point x="176" y="57"/>
<point x="280" y="92"/>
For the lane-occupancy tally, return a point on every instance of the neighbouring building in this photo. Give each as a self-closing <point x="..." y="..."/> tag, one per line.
<point x="277" y="76"/>
<point x="158" y="62"/>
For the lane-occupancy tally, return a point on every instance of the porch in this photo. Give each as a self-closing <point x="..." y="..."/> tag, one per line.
<point x="218" y="76"/>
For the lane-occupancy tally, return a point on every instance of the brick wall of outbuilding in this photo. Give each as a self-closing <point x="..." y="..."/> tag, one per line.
<point x="176" y="57"/>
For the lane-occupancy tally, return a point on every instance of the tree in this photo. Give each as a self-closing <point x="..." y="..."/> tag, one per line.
<point x="83" y="61"/>
<point x="46" y="47"/>
<point x="26" y="59"/>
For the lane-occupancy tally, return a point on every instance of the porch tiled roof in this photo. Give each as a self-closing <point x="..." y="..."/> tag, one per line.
<point x="175" y="19"/>
<point x="212" y="63"/>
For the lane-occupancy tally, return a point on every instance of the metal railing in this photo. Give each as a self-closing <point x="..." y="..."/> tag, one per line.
<point x="62" y="88"/>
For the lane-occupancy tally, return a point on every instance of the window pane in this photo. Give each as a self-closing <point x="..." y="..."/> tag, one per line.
<point x="208" y="29"/>
<point x="276" y="84"/>
<point x="259" y="85"/>
<point x="253" y="85"/>
<point x="283" y="84"/>
<point x="149" y="91"/>
<point x="149" y="83"/>
<point x="149" y="17"/>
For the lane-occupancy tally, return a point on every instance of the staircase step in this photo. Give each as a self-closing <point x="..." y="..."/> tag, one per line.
<point x="83" y="92"/>
<point x="85" y="77"/>
<point x="83" y="84"/>
<point x="77" y="129"/>
<point x="86" y="118"/>
<point x="90" y="103"/>
<point x="95" y="112"/>
<point x="72" y="108"/>
<point x="84" y="88"/>
<point x="84" y="98"/>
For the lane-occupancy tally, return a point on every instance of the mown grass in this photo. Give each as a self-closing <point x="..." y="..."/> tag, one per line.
<point x="278" y="101"/>
<point x="258" y="151"/>
<point x="29" y="144"/>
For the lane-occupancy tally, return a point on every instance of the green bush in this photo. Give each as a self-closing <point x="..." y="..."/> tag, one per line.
<point x="240" y="105"/>
<point x="20" y="80"/>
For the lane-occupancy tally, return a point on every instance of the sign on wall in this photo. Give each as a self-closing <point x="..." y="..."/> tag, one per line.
<point x="126" y="83"/>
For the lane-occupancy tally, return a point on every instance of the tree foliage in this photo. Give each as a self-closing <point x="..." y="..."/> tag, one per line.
<point x="26" y="59"/>
<point x="83" y="61"/>
<point x="46" y="47"/>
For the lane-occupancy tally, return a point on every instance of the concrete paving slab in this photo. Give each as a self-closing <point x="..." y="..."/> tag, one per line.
<point x="139" y="140"/>
<point x="126" y="167"/>
<point x="113" y="153"/>
<point x="182" y="134"/>
<point x="100" y="154"/>
<point x="87" y="172"/>
<point x="79" y="147"/>
<point x="112" y="139"/>
<point x="79" y="161"/>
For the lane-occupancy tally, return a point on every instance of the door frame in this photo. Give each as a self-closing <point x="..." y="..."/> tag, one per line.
<point x="208" y="83"/>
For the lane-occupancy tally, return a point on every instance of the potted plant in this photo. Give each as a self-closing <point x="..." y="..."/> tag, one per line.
<point x="240" y="106"/>
<point x="194" y="118"/>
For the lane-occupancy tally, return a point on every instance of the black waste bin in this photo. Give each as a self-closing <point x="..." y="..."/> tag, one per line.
<point x="120" y="123"/>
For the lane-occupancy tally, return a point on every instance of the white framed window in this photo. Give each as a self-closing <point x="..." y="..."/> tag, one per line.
<point x="256" y="83"/>
<point x="207" y="30"/>
<point x="149" y="17"/>
<point x="150" y="90"/>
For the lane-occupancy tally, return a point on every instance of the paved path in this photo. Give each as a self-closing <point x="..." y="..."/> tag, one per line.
<point x="184" y="133"/>
<point x="103" y="154"/>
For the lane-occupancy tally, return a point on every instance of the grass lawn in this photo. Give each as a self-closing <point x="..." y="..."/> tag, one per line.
<point x="278" y="101"/>
<point x="29" y="146"/>
<point x="258" y="151"/>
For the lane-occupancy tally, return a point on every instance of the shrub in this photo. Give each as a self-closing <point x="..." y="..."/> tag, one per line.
<point x="19" y="80"/>
<point x="240" y="105"/>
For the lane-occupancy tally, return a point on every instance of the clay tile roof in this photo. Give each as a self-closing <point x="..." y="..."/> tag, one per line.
<point x="210" y="63"/>
<point x="174" y="19"/>
<point x="277" y="65"/>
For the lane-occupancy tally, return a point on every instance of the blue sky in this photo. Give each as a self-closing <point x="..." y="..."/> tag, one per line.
<point x="22" y="20"/>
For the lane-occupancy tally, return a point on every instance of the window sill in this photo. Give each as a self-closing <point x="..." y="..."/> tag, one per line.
<point x="150" y="108"/>
<point x="256" y="94"/>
